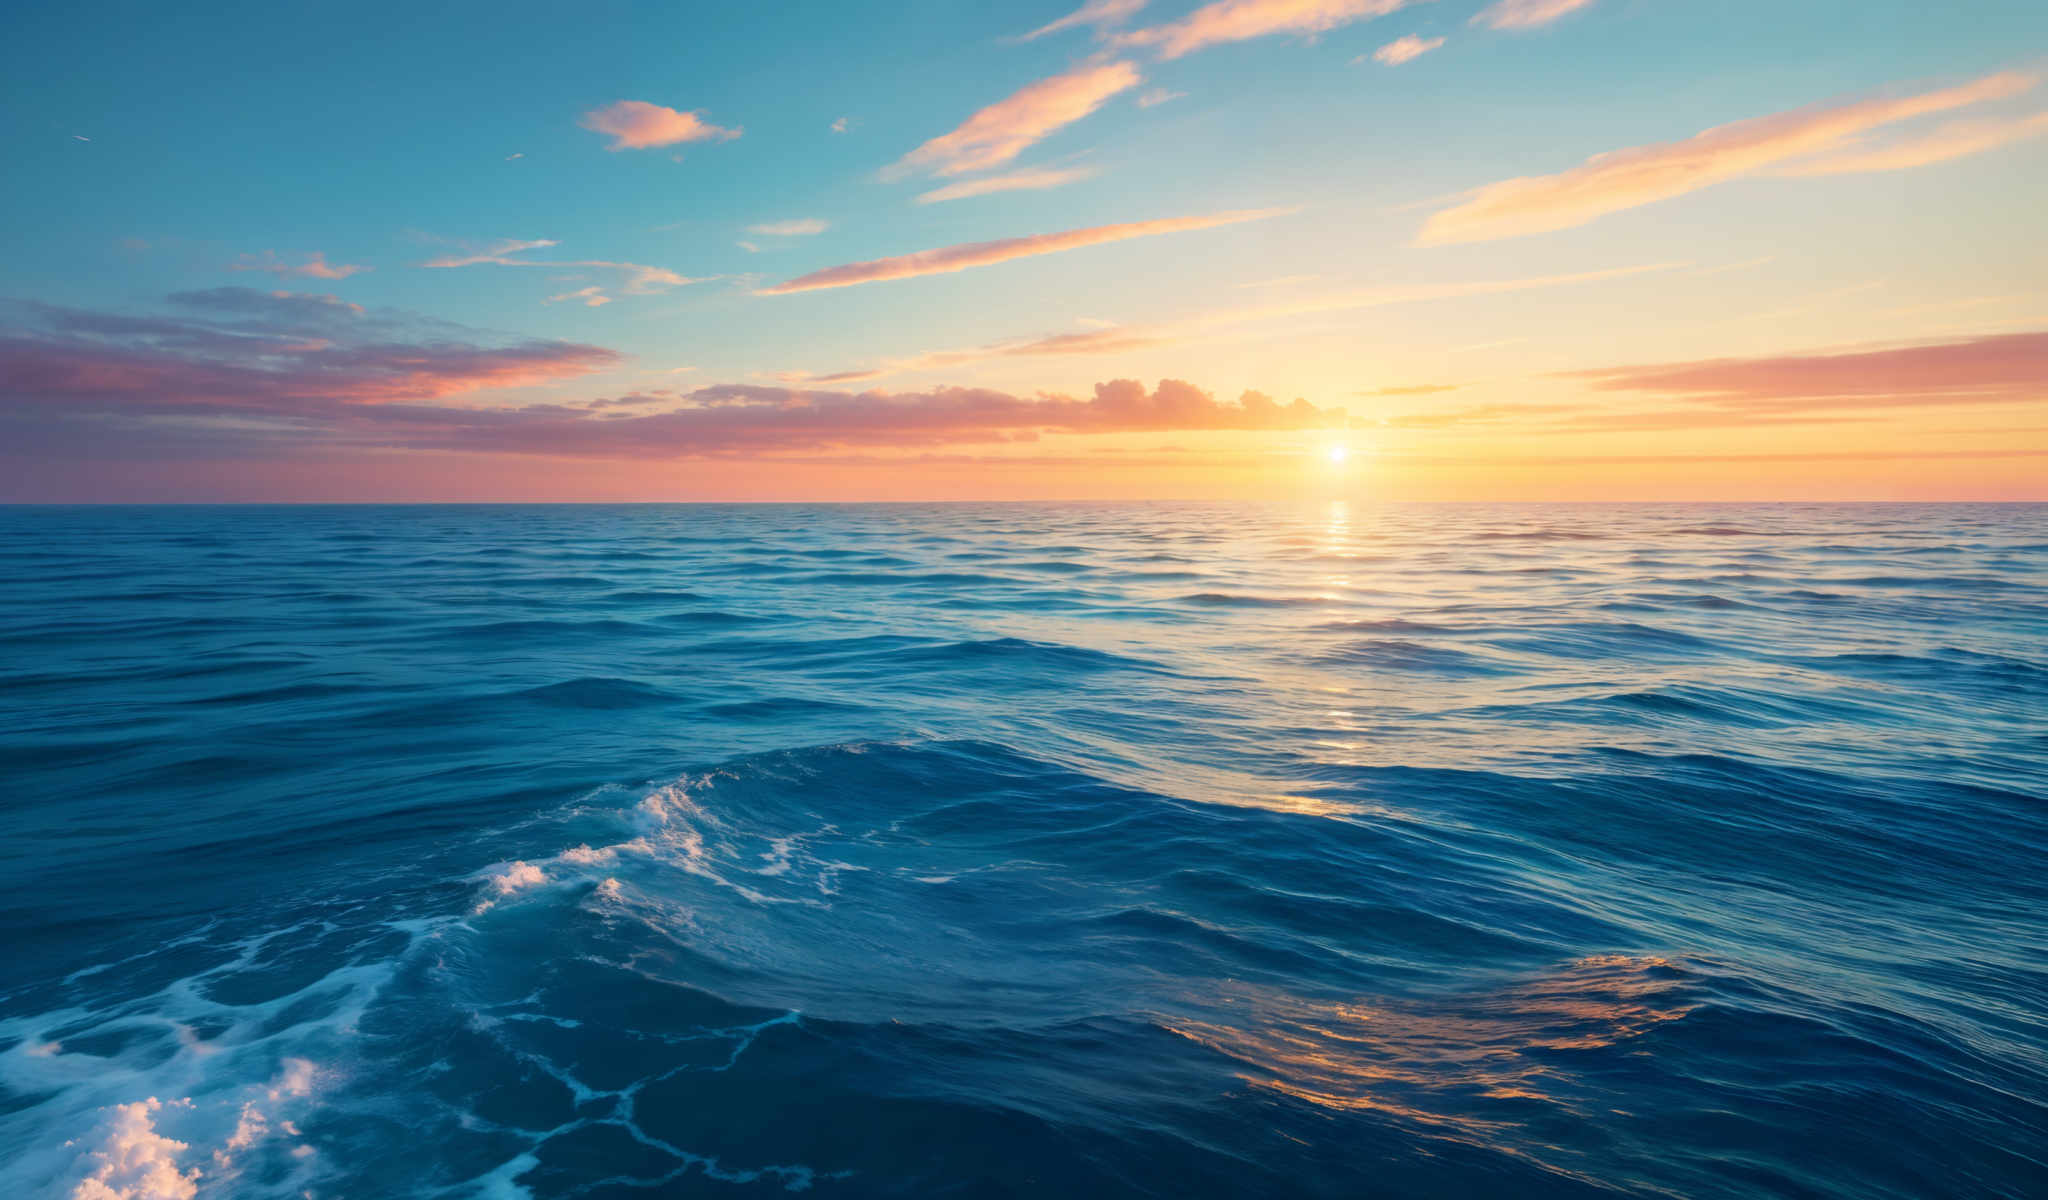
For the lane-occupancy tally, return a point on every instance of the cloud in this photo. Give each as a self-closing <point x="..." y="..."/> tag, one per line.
<point x="801" y="227"/>
<point x="1112" y="340"/>
<point x="1100" y="14"/>
<point x="270" y="360"/>
<point x="1405" y="49"/>
<point x="1623" y="179"/>
<point x="1003" y="130"/>
<point x="1158" y="96"/>
<point x="1956" y="139"/>
<point x="1476" y="414"/>
<point x="592" y="297"/>
<point x="1997" y="369"/>
<point x="841" y="124"/>
<point x="641" y="279"/>
<point x="1029" y="179"/>
<point x="1096" y="13"/>
<point x="109" y="385"/>
<point x="1527" y="14"/>
<point x="316" y="266"/>
<point x="1414" y="389"/>
<point x="1241" y="20"/>
<point x="947" y="259"/>
<point x="638" y="125"/>
<point x="499" y="252"/>
<point x="1121" y="338"/>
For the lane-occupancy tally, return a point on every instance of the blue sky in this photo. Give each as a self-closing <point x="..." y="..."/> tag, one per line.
<point x="382" y="137"/>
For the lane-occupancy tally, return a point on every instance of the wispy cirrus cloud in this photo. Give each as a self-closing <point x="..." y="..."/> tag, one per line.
<point x="1624" y="179"/>
<point x="1113" y="338"/>
<point x="798" y="227"/>
<point x="499" y="252"/>
<point x="1028" y="179"/>
<point x="638" y="125"/>
<point x="1405" y="49"/>
<point x="316" y="266"/>
<point x="1527" y="14"/>
<point x="1158" y="96"/>
<point x="1005" y="129"/>
<point x="1997" y="369"/>
<point x="1241" y="20"/>
<point x="1954" y="139"/>
<point x="947" y="259"/>
<point x="1099" y="14"/>
<point x="640" y="279"/>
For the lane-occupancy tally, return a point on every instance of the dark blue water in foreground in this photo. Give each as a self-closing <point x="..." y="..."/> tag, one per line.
<point x="1024" y="850"/>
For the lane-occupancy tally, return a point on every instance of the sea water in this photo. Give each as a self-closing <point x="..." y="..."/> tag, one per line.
<point x="985" y="850"/>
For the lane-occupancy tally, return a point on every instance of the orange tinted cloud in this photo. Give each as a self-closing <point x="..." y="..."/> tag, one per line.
<point x="1099" y="13"/>
<point x="1526" y="14"/>
<point x="641" y="279"/>
<point x="2002" y="368"/>
<point x="638" y="125"/>
<point x="1405" y="49"/>
<point x="1010" y="181"/>
<point x="1241" y="20"/>
<point x="1956" y="139"/>
<point x="316" y="266"/>
<point x="1118" y="338"/>
<point x="1003" y="130"/>
<point x="1623" y="179"/>
<point x="947" y="259"/>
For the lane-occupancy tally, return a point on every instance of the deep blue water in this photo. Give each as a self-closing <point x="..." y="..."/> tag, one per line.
<point x="1169" y="850"/>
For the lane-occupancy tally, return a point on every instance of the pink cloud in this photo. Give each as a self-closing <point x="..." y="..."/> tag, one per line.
<point x="316" y="266"/>
<point x="1241" y="20"/>
<point x="1032" y="179"/>
<point x="1956" y="139"/>
<point x="1003" y="130"/>
<point x="1623" y="179"/>
<point x="948" y="259"/>
<point x="1527" y="14"/>
<point x="641" y="279"/>
<point x="1098" y="13"/>
<point x="498" y="252"/>
<point x="1998" y="369"/>
<point x="242" y="350"/>
<point x="638" y="125"/>
<point x="212" y="387"/>
<point x="1405" y="49"/>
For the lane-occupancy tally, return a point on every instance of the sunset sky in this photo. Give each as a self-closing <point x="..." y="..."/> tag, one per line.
<point x="1530" y="249"/>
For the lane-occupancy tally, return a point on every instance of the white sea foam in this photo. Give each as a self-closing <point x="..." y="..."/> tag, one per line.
<point x="135" y="1162"/>
<point x="176" y="1094"/>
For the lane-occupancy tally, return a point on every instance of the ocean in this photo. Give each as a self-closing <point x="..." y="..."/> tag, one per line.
<point x="1176" y="850"/>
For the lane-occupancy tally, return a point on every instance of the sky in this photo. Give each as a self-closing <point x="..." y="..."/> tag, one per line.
<point x="1265" y="249"/>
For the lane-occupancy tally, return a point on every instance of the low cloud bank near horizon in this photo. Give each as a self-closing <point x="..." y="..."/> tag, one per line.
<point x="239" y="373"/>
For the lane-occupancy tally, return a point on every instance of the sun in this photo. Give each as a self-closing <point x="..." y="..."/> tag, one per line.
<point x="1337" y="452"/>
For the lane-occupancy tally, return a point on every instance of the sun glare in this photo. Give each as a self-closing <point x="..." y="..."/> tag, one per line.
<point x="1337" y="452"/>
